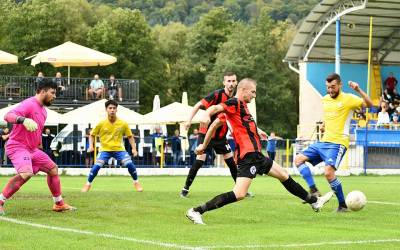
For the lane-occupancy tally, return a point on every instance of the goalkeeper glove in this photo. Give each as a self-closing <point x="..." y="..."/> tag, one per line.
<point x="30" y="124"/>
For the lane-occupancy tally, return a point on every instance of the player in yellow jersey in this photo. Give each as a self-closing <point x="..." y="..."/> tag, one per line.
<point x="111" y="132"/>
<point x="338" y="109"/>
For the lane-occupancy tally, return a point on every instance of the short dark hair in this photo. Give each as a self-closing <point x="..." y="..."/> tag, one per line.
<point x="229" y="73"/>
<point x="111" y="102"/>
<point x="45" y="84"/>
<point x="333" y="77"/>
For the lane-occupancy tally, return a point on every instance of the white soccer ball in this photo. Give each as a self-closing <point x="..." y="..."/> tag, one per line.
<point x="356" y="200"/>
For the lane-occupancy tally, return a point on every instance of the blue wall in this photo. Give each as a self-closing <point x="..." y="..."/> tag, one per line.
<point x="317" y="73"/>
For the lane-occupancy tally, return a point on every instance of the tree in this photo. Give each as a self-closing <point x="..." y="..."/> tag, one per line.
<point x="256" y="51"/>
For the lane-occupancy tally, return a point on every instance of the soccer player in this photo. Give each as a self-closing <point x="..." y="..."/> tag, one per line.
<point x="111" y="132"/>
<point x="218" y="142"/>
<point x="338" y="109"/>
<point x="22" y="148"/>
<point x="248" y="154"/>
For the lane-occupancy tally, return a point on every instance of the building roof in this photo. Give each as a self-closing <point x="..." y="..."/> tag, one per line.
<point x="315" y="39"/>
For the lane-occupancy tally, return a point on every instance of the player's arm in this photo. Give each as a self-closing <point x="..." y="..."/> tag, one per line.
<point x="192" y="114"/>
<point x="215" y="109"/>
<point x="367" y="100"/>
<point x="262" y="134"/>
<point x="211" y="130"/>
<point x="131" y="140"/>
<point x="17" y="116"/>
<point x="91" y="142"/>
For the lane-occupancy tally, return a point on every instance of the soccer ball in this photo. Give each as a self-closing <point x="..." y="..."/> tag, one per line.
<point x="356" y="200"/>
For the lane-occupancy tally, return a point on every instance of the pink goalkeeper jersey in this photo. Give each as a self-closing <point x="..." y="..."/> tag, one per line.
<point x="29" y="108"/>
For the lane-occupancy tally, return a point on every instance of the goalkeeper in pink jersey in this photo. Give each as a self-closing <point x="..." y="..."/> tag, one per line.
<point x="23" y="146"/>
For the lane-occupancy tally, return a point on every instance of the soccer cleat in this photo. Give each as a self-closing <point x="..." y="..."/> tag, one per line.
<point x="184" y="193"/>
<point x="194" y="216"/>
<point x="2" y="212"/>
<point x="317" y="206"/>
<point x="86" y="188"/>
<point x="315" y="193"/>
<point x="62" y="208"/>
<point x="249" y="195"/>
<point x="342" y="210"/>
<point x="137" y="186"/>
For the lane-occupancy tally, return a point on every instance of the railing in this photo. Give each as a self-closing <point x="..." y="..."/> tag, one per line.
<point x="21" y="87"/>
<point x="372" y="155"/>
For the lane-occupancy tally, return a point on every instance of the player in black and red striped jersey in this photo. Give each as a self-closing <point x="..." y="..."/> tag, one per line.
<point x="218" y="141"/>
<point x="250" y="160"/>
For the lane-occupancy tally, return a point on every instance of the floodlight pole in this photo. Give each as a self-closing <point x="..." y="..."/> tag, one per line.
<point x="337" y="45"/>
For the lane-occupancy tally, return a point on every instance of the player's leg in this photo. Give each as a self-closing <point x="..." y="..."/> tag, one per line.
<point x="127" y="162"/>
<point x="225" y="149"/>
<point x="21" y="159"/>
<point x="239" y="192"/>
<point x="333" y="155"/>
<point x="102" y="158"/>
<point x="311" y="154"/>
<point x="42" y="162"/>
<point x="295" y="188"/>
<point x="198" y="163"/>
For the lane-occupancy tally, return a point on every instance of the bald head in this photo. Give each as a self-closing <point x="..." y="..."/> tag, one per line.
<point x="246" y="89"/>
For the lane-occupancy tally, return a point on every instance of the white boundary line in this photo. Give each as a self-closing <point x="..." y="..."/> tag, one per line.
<point x="295" y="245"/>
<point x="104" y="235"/>
<point x="171" y="245"/>
<point x="384" y="203"/>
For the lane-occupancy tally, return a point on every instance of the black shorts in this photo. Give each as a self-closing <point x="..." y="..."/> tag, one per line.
<point x="220" y="146"/>
<point x="252" y="164"/>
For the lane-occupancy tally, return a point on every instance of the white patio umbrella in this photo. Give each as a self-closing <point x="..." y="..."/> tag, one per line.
<point x="7" y="58"/>
<point x="53" y="118"/>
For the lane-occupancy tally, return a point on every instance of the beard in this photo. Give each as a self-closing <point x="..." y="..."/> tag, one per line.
<point x="333" y="95"/>
<point x="47" y="102"/>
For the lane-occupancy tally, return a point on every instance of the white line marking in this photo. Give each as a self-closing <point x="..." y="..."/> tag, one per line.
<point x="171" y="245"/>
<point x="104" y="235"/>
<point x="384" y="203"/>
<point x="295" y="245"/>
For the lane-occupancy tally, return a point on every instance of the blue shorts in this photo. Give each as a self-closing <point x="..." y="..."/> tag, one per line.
<point x="121" y="156"/>
<point x="330" y="153"/>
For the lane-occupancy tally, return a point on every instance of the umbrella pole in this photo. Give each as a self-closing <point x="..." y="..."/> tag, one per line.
<point x="69" y="72"/>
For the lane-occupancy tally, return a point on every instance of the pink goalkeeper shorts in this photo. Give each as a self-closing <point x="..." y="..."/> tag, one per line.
<point x="29" y="161"/>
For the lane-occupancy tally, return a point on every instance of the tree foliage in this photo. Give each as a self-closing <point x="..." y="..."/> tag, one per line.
<point x="169" y="46"/>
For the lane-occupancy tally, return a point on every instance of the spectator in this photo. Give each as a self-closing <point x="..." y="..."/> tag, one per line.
<point x="47" y="138"/>
<point x="390" y="83"/>
<point x="386" y="96"/>
<point x="96" y="87"/>
<point x="157" y="141"/>
<point x="60" y="84"/>
<point x="271" y="146"/>
<point x="396" y="97"/>
<point x="89" y="156"/>
<point x="193" y="144"/>
<point x="176" y="148"/>
<point x="113" y="88"/>
<point x="5" y="133"/>
<point x="383" y="115"/>
<point x="395" y="121"/>
<point x="362" y="120"/>
<point x="38" y="79"/>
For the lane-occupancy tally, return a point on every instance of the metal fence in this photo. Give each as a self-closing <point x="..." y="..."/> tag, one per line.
<point x="76" y="89"/>
<point x="371" y="155"/>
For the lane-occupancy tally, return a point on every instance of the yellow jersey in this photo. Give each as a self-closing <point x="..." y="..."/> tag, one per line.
<point x="337" y="115"/>
<point x="111" y="134"/>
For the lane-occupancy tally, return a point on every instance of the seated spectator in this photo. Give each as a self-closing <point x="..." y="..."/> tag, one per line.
<point x="383" y="115"/>
<point x="395" y="121"/>
<point x="386" y="96"/>
<point x="113" y="88"/>
<point x="390" y="83"/>
<point x="60" y="84"/>
<point x="39" y="77"/>
<point x="362" y="120"/>
<point x="96" y="87"/>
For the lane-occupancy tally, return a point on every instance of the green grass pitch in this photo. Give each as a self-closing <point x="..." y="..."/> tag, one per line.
<point x="114" y="216"/>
